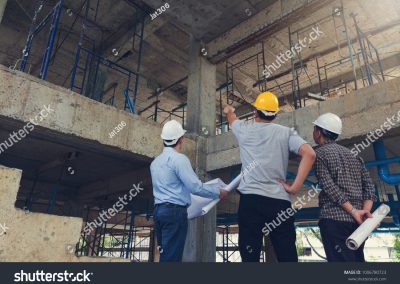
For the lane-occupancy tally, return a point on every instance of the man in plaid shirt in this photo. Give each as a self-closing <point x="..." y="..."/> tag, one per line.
<point x="347" y="191"/>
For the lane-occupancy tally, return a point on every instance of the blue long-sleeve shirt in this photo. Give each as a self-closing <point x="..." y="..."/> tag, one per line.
<point x="174" y="179"/>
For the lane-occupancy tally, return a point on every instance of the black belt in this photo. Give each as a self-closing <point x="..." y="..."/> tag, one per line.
<point x="172" y="204"/>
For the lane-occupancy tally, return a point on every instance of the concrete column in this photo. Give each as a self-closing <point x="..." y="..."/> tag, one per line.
<point x="3" y="4"/>
<point x="201" y="102"/>
<point x="201" y="115"/>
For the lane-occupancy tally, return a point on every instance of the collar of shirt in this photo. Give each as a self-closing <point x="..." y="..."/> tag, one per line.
<point x="326" y="142"/>
<point x="169" y="150"/>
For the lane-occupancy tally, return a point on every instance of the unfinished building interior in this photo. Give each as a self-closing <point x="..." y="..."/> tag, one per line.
<point x="97" y="79"/>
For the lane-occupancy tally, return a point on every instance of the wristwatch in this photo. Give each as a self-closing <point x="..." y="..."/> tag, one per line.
<point x="353" y="210"/>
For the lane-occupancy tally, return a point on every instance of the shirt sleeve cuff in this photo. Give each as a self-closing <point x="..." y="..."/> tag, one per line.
<point x="370" y="196"/>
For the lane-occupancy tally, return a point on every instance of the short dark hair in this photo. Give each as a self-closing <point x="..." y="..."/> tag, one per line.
<point x="265" y="117"/>
<point x="327" y="134"/>
<point x="173" y="145"/>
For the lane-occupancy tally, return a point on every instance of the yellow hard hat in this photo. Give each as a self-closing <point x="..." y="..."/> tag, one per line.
<point x="267" y="101"/>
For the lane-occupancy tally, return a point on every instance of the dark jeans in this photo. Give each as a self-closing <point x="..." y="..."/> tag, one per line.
<point x="334" y="234"/>
<point x="171" y="226"/>
<point x="254" y="212"/>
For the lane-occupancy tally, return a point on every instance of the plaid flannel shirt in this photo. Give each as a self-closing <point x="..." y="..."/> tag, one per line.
<point x="342" y="177"/>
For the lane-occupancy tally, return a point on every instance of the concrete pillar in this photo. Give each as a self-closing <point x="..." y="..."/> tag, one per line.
<point x="3" y="4"/>
<point x="201" y="116"/>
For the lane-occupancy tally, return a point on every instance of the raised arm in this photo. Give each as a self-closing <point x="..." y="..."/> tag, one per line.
<point x="230" y="114"/>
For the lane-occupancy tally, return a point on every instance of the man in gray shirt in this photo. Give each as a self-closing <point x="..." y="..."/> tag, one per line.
<point x="262" y="196"/>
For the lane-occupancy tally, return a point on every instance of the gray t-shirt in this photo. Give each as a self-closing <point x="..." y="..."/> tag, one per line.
<point x="264" y="153"/>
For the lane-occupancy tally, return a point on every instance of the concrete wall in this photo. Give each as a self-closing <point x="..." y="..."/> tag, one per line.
<point x="362" y="111"/>
<point x="26" y="236"/>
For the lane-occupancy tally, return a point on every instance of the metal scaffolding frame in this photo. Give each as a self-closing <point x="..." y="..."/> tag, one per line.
<point x="368" y="51"/>
<point x="119" y="239"/>
<point x="177" y="112"/>
<point x="53" y="17"/>
<point x="367" y="59"/>
<point x="87" y="58"/>
<point x="86" y="62"/>
<point x="298" y="66"/>
<point x="229" y="246"/>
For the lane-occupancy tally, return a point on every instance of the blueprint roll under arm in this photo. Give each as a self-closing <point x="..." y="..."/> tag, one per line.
<point x="365" y="229"/>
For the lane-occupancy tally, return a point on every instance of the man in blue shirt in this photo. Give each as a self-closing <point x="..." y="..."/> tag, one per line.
<point x="173" y="181"/>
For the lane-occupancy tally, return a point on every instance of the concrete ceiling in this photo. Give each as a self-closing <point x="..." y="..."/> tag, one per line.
<point x="208" y="19"/>
<point x="165" y="58"/>
<point x="46" y="153"/>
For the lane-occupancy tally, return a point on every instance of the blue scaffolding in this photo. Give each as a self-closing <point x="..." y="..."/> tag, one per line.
<point x="35" y="29"/>
<point x="86" y="59"/>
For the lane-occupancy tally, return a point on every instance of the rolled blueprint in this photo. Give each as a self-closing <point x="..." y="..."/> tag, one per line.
<point x="201" y="205"/>
<point x="365" y="229"/>
<point x="232" y="185"/>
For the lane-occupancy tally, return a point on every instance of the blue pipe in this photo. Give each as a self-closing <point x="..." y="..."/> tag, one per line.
<point x="382" y="162"/>
<point x="383" y="170"/>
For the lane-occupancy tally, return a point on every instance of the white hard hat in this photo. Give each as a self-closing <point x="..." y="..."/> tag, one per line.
<point x="172" y="130"/>
<point x="330" y="122"/>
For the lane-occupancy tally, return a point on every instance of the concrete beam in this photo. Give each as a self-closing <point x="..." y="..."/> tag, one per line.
<point x="77" y="119"/>
<point x="362" y="111"/>
<point x="248" y="33"/>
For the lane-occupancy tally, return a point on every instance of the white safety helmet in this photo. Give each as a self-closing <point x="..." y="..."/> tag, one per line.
<point x="330" y="122"/>
<point x="172" y="131"/>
